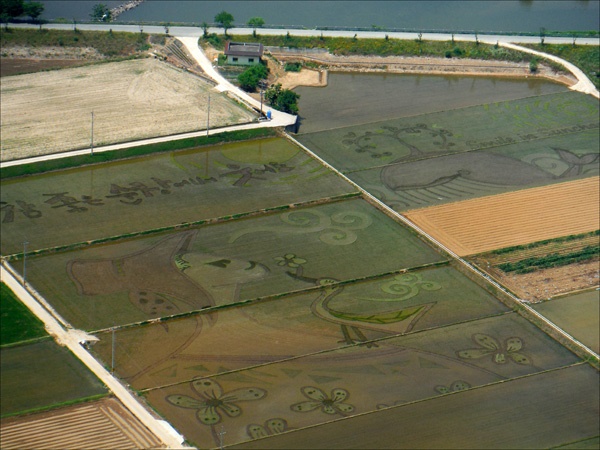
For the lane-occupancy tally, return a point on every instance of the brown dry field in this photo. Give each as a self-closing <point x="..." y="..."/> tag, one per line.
<point x="102" y="424"/>
<point x="50" y="112"/>
<point x="515" y="218"/>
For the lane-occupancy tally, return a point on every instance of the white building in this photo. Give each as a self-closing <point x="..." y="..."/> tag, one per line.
<point x="242" y="53"/>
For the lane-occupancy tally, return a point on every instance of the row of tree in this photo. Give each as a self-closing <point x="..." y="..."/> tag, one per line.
<point x="11" y="9"/>
<point x="225" y="20"/>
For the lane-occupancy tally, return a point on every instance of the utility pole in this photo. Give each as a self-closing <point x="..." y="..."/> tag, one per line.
<point x="112" y="364"/>
<point x="208" y="116"/>
<point x="24" y="260"/>
<point x="262" y="87"/>
<point x="92" y="139"/>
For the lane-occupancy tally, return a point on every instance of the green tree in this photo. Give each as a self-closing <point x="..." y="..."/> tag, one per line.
<point x="284" y="100"/>
<point x="250" y="77"/>
<point x="204" y="26"/>
<point x="255" y="22"/>
<point x="225" y="20"/>
<point x="101" y="13"/>
<point x="9" y="9"/>
<point x="33" y="10"/>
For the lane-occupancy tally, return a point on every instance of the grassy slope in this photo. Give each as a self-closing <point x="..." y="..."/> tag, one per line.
<point x="586" y="57"/>
<point x="108" y="43"/>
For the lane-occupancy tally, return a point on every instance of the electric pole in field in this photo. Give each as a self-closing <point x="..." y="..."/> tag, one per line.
<point x="92" y="139"/>
<point x="208" y="115"/>
<point x="24" y="261"/>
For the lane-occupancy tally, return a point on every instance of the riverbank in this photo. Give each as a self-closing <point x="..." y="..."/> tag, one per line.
<point x="411" y="65"/>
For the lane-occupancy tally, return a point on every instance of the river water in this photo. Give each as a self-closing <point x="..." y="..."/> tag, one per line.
<point x="424" y="15"/>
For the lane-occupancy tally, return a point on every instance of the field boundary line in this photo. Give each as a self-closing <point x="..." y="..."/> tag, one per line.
<point x="72" y="339"/>
<point x="520" y="304"/>
<point x="185" y="225"/>
<point x="422" y="400"/>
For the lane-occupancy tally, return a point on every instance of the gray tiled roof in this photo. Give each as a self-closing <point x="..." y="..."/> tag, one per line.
<point x="243" y="49"/>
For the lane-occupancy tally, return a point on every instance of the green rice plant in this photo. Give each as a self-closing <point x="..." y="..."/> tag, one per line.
<point x="552" y="260"/>
<point x="17" y="323"/>
<point x="188" y="143"/>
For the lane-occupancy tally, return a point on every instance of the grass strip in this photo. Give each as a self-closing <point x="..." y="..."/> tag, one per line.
<point x="142" y="150"/>
<point x="571" y="237"/>
<point x="552" y="260"/>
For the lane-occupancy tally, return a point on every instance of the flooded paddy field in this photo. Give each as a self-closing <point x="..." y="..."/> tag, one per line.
<point x="259" y="300"/>
<point x="504" y="415"/>
<point x="42" y="375"/>
<point x="577" y="314"/>
<point x="110" y="200"/>
<point x="314" y="321"/>
<point x="340" y="384"/>
<point x="222" y="264"/>
<point x="352" y="99"/>
<point x="464" y="153"/>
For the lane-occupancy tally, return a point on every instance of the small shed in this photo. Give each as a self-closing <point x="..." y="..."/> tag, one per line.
<point x="243" y="53"/>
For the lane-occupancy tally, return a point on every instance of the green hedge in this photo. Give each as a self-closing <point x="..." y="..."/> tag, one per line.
<point x="552" y="260"/>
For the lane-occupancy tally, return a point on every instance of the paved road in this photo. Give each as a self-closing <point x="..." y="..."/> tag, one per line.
<point x="197" y="32"/>
<point x="73" y="339"/>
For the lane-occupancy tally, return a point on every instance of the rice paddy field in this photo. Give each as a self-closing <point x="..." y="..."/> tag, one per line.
<point x="259" y="300"/>
<point x="41" y="375"/>
<point x="577" y="314"/>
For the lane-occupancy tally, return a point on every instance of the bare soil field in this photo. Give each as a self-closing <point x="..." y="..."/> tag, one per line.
<point x="102" y="424"/>
<point x="49" y="112"/>
<point x="487" y="223"/>
<point x="546" y="283"/>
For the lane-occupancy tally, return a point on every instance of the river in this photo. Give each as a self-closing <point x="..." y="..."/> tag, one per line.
<point x="448" y="15"/>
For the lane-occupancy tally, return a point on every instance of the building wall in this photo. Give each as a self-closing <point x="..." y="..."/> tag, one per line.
<point x="242" y="60"/>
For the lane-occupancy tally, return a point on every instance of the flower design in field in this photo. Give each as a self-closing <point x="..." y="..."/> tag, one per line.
<point x="212" y="402"/>
<point x="290" y="260"/>
<point x="271" y="427"/>
<point x="488" y="346"/>
<point x="457" y="386"/>
<point x="317" y="399"/>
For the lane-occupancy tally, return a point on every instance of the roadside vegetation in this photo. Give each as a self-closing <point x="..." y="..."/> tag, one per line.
<point x="17" y="323"/>
<point x="110" y="44"/>
<point x="586" y="57"/>
<point x="382" y="47"/>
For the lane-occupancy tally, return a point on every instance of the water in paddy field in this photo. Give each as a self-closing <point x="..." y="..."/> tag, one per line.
<point x="477" y="15"/>
<point x="355" y="98"/>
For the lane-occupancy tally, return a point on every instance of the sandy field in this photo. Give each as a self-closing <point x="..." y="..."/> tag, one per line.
<point x="49" y="112"/>
<point x="498" y="221"/>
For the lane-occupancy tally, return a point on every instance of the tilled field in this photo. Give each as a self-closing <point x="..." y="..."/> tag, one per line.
<point x="102" y="424"/>
<point x="488" y="223"/>
<point x="49" y="112"/>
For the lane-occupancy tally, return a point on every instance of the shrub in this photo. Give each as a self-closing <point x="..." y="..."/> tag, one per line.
<point x="293" y="67"/>
<point x="250" y="77"/>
